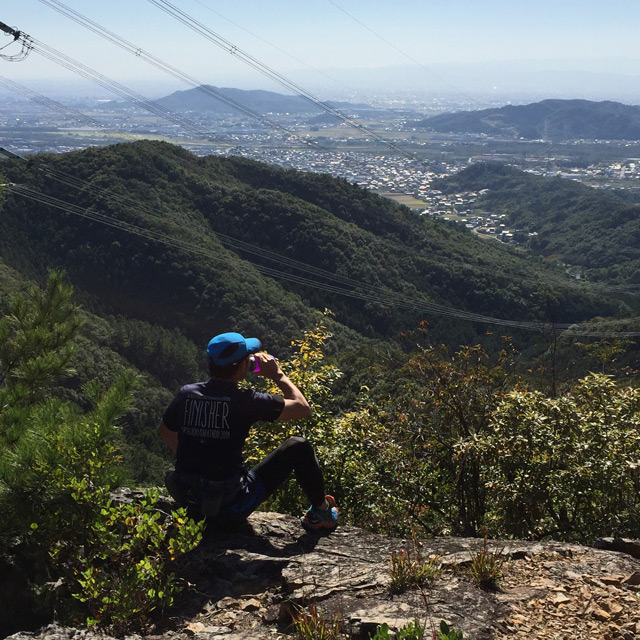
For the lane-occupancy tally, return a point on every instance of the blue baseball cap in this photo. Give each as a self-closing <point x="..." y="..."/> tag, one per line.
<point x="228" y="348"/>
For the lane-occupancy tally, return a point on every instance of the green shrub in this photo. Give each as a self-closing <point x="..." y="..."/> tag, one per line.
<point x="109" y="563"/>
<point x="412" y="631"/>
<point x="566" y="467"/>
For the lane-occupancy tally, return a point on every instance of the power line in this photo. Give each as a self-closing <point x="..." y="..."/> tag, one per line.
<point x="276" y="47"/>
<point x="401" y="51"/>
<point x="249" y="248"/>
<point x="124" y="92"/>
<point x="48" y="103"/>
<point x="164" y="66"/>
<point x="358" y="293"/>
<point x="256" y="64"/>
<point x="281" y="260"/>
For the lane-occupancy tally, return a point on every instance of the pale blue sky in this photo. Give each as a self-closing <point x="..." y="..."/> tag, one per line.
<point x="588" y="35"/>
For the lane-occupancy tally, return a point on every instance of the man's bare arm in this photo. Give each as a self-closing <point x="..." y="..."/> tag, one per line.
<point x="170" y="437"/>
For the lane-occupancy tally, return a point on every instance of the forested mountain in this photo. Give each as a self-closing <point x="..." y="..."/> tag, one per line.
<point x="165" y="249"/>
<point x="263" y="102"/>
<point x="203" y="282"/>
<point x="594" y="229"/>
<point x="549" y="120"/>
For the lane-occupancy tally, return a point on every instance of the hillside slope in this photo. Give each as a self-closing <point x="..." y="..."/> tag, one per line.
<point x="596" y="230"/>
<point x="200" y="279"/>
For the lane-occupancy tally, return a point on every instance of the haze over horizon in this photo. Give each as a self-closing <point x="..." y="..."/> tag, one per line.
<point x="472" y="51"/>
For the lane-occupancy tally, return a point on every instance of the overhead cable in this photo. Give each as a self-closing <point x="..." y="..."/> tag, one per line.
<point x="401" y="51"/>
<point x="370" y="295"/>
<point x="274" y="75"/>
<point x="165" y="67"/>
<point x="48" y="103"/>
<point x="270" y="44"/>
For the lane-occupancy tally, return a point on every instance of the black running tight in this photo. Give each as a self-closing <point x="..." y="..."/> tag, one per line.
<point x="294" y="455"/>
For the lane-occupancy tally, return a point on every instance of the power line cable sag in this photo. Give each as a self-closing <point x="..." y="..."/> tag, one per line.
<point x="48" y="103"/>
<point x="256" y="64"/>
<point x="276" y="47"/>
<point x="399" y="50"/>
<point x="164" y="66"/>
<point x="254" y="249"/>
<point x="372" y="297"/>
<point x="250" y="249"/>
<point x="387" y="298"/>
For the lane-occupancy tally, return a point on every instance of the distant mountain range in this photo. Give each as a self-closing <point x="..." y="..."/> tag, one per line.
<point x="200" y="100"/>
<point x="549" y="119"/>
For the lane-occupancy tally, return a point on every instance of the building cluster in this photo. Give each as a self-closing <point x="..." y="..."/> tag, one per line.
<point x="31" y="129"/>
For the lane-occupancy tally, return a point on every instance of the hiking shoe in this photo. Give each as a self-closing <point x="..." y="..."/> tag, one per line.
<point x="319" y="519"/>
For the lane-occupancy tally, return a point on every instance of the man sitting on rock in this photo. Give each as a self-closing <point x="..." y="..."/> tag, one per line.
<point x="207" y="424"/>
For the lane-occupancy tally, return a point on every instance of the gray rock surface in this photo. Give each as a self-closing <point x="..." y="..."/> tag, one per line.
<point x="245" y="584"/>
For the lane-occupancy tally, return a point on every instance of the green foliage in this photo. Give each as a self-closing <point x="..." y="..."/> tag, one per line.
<point x="124" y="573"/>
<point x="407" y="572"/>
<point x="57" y="468"/>
<point x="448" y="633"/>
<point x="446" y="406"/>
<point x="595" y="229"/>
<point x="308" y="369"/>
<point x="325" y="222"/>
<point x="36" y="335"/>
<point x="310" y="625"/>
<point x="412" y="631"/>
<point x="485" y="568"/>
<point x="566" y="467"/>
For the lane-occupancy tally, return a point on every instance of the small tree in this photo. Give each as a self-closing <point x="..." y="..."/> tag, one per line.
<point x="57" y="468"/>
<point x="309" y="370"/>
<point x="446" y="405"/>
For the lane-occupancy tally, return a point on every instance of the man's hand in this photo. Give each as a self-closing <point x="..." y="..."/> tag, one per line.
<point x="295" y="404"/>
<point x="269" y="367"/>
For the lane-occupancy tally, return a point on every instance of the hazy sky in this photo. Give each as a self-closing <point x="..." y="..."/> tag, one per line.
<point x="587" y="35"/>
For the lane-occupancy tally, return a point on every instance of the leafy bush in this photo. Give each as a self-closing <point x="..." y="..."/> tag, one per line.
<point x="308" y="369"/>
<point x="412" y="631"/>
<point x="567" y="467"/>
<point x="446" y="405"/>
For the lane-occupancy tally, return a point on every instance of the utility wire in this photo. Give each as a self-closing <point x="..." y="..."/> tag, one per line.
<point x="276" y="47"/>
<point x="256" y="64"/>
<point x="164" y="66"/>
<point x="251" y="249"/>
<point x="401" y="51"/>
<point x="50" y="104"/>
<point x="367" y="296"/>
<point x="247" y="247"/>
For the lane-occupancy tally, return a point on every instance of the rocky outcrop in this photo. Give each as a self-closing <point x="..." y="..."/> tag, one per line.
<point x="245" y="584"/>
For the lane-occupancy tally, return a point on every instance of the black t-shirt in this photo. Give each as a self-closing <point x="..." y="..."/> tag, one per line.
<point x="213" y="420"/>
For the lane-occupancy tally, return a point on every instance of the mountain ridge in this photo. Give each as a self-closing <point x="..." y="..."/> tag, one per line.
<point x="265" y="102"/>
<point x="552" y="119"/>
<point x="314" y="219"/>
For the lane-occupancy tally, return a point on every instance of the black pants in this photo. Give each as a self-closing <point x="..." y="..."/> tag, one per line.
<point x="295" y="455"/>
